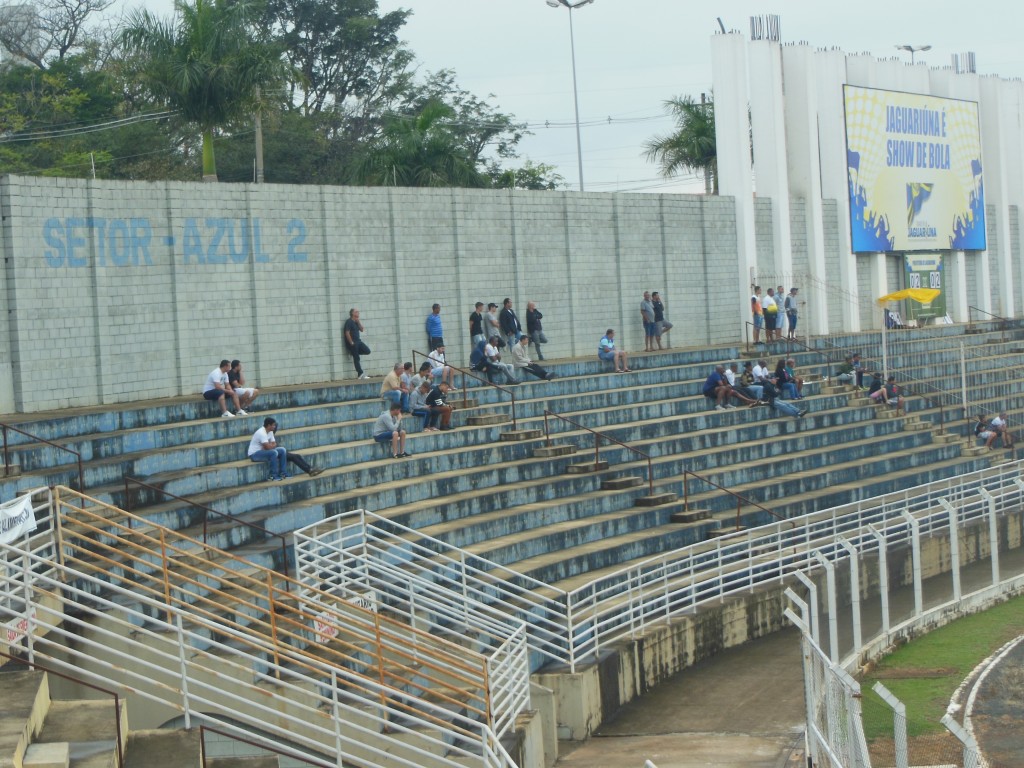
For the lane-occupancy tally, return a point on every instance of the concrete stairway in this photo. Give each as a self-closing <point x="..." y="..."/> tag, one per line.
<point x="38" y="731"/>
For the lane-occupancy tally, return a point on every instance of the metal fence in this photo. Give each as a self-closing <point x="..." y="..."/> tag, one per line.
<point x="839" y="732"/>
<point x="257" y="673"/>
<point x="572" y="626"/>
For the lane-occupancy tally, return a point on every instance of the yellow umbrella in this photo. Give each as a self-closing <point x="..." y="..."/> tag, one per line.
<point x="920" y="295"/>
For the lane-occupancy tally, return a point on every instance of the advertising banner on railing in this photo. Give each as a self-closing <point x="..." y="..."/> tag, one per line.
<point x="16" y="519"/>
<point x="914" y="172"/>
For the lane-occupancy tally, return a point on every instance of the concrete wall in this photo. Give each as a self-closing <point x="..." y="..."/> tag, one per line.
<point x="119" y="291"/>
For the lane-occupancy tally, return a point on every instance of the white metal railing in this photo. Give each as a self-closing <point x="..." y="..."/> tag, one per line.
<point x="214" y="672"/>
<point x="323" y="566"/>
<point x="834" y="720"/>
<point x="570" y="627"/>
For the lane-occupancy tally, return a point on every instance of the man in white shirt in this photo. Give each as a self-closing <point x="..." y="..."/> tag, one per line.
<point x="439" y="367"/>
<point x="494" y="358"/>
<point x="606" y="351"/>
<point x="1001" y="427"/>
<point x="263" y="447"/>
<point x="218" y="389"/>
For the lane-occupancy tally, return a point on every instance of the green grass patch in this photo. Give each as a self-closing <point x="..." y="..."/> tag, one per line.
<point x="924" y="673"/>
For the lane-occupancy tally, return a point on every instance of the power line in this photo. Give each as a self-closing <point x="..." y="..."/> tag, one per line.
<point x="69" y="132"/>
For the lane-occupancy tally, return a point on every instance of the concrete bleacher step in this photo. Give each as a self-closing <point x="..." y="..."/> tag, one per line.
<point x="519" y="435"/>
<point x="87" y="731"/>
<point x="547" y="451"/>
<point x="23" y="708"/>
<point x="482" y="420"/>
<point x="262" y="761"/>
<point x="164" y="748"/>
<point x="590" y="466"/>
<point x="623" y="481"/>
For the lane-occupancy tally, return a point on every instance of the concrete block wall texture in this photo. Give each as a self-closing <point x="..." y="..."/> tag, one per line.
<point x="120" y="291"/>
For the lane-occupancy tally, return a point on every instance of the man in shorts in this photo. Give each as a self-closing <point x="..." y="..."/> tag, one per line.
<point x="647" y="319"/>
<point x="237" y="381"/>
<point x="218" y="389"/>
<point x="606" y="351"/>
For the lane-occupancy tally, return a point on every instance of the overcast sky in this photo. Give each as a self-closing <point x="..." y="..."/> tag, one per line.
<point x="631" y="55"/>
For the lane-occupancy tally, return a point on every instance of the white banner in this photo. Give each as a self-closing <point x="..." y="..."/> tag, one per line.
<point x="16" y="519"/>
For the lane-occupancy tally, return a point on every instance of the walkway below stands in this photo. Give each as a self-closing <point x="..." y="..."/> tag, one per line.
<point x="744" y="708"/>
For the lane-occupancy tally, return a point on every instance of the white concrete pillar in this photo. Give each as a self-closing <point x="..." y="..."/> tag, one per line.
<point x="732" y="137"/>
<point x="805" y="181"/>
<point x="994" y="140"/>
<point x="768" y="128"/>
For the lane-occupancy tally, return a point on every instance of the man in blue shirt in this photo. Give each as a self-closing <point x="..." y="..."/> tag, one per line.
<point x="435" y="332"/>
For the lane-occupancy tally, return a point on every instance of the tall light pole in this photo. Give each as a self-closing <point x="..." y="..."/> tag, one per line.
<point x="913" y="49"/>
<point x="575" y="92"/>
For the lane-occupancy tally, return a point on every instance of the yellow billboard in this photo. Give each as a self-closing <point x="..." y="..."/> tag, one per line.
<point x="914" y="168"/>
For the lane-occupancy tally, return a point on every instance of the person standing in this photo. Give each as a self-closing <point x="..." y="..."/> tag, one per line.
<point x="780" y="312"/>
<point x="771" y="316"/>
<point x="476" y="325"/>
<point x="435" y="329"/>
<point x="647" y="319"/>
<point x="353" y="343"/>
<point x="491" y="325"/>
<point x="510" y="325"/>
<point x="534" y="328"/>
<point x="791" y="313"/>
<point x="661" y="325"/>
<point x="757" y="313"/>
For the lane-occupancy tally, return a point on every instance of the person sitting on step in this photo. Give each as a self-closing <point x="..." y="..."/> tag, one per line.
<point x="264" y="447"/>
<point x="439" y="409"/>
<point x="388" y="429"/>
<point x="1001" y="427"/>
<point x="606" y="351"/>
<point x="521" y="360"/>
<point x="784" y="382"/>
<point x="418" y="405"/>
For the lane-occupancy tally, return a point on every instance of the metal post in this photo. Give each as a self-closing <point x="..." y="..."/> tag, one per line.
<point x="885" y="346"/>
<point x="833" y="619"/>
<point x="899" y="723"/>
<point x="812" y="590"/>
<point x="965" y="738"/>
<point x="183" y="670"/>
<point x="576" y="99"/>
<point x="963" y="378"/>
<point x="993" y="529"/>
<point x="854" y="592"/>
<point x="883" y="575"/>
<point x="915" y="546"/>
<point x="954" y="547"/>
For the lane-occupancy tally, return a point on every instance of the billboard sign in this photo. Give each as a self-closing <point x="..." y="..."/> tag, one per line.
<point x="914" y="171"/>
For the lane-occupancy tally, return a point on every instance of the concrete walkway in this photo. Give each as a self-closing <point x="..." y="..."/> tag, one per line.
<point x="745" y="707"/>
<point x="742" y="709"/>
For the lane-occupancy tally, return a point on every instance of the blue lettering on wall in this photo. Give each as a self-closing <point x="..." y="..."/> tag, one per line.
<point x="126" y="242"/>
<point x="298" y="227"/>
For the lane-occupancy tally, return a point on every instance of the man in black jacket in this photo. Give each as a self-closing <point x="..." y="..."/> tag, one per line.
<point x="438" y="407"/>
<point x="534" y="329"/>
<point x="509" y="323"/>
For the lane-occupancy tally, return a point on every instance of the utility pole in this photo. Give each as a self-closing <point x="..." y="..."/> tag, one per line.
<point x="259" y="138"/>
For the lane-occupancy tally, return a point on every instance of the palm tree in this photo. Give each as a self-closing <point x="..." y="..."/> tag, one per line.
<point x="205" y="62"/>
<point x="692" y="146"/>
<point x="419" y="151"/>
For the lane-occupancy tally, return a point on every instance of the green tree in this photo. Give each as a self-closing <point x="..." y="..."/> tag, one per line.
<point x="206" y="63"/>
<point x="419" y="151"/>
<point x="539" y="176"/>
<point x="691" y="147"/>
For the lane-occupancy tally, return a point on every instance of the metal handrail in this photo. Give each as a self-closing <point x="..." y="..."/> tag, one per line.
<point x="935" y="398"/>
<point x="102" y="542"/>
<point x="32" y="663"/>
<point x="687" y="474"/>
<point x="7" y="460"/>
<point x="206" y="517"/>
<point x="971" y="307"/>
<point x="464" y="373"/>
<point x="291" y="755"/>
<point x="597" y="444"/>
